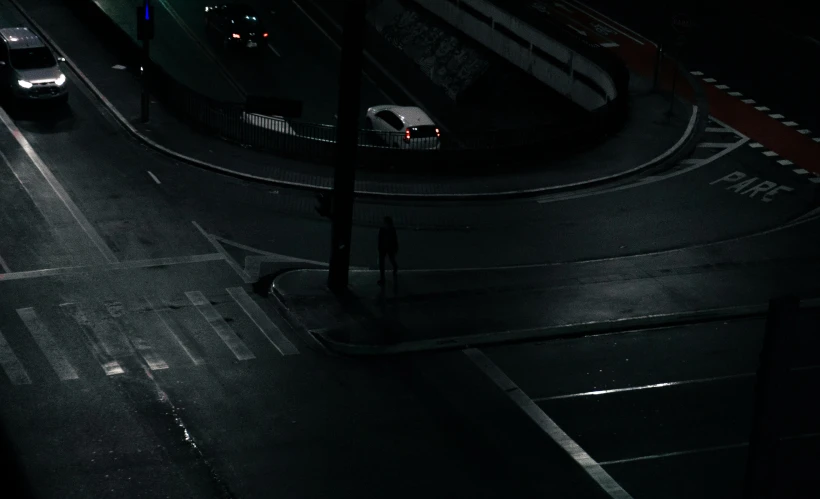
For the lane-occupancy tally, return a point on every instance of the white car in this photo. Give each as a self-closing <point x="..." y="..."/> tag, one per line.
<point x="404" y="127"/>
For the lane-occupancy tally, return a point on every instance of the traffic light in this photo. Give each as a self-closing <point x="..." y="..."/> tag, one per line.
<point x="323" y="205"/>
<point x="145" y="22"/>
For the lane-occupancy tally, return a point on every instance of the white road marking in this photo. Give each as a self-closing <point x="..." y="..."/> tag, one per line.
<point x="696" y="73"/>
<point x="790" y="123"/>
<point x="804" y="131"/>
<point x="592" y="468"/>
<point x="235" y="266"/>
<point x="715" y="145"/>
<point x="609" y="45"/>
<point x="719" y="129"/>
<point x="815" y="180"/>
<point x="579" y="31"/>
<point x="776" y="116"/>
<point x="42" y="336"/>
<point x="262" y="321"/>
<point x="735" y="94"/>
<point x="162" y="315"/>
<point x="784" y="162"/>
<point x="800" y="171"/>
<point x="690" y="161"/>
<point x="156" y="180"/>
<point x="133" y="336"/>
<point x="133" y="264"/>
<point x="748" y="101"/>
<point x="589" y="11"/>
<point x="98" y="338"/>
<point x="273" y="49"/>
<point x="4" y="266"/>
<point x="671" y="454"/>
<point x="755" y="145"/>
<point x="222" y="329"/>
<point x="11" y="364"/>
<point x="118" y="66"/>
<point x="56" y="188"/>
<point x="709" y="80"/>
<point x="762" y="108"/>
<point x="769" y="153"/>
<point x="644" y="387"/>
<point x="816" y="139"/>
<point x="721" y="87"/>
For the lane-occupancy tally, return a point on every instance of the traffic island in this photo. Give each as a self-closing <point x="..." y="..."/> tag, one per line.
<point x="439" y="310"/>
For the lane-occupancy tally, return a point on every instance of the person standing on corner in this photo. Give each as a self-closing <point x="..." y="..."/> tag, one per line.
<point x="388" y="246"/>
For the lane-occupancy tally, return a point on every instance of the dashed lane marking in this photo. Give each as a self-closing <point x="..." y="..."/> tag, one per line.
<point x="154" y="178"/>
<point x="644" y="387"/>
<point x="748" y="101"/>
<point x="790" y="123"/>
<point x="721" y="87"/>
<point x="220" y="326"/>
<point x="273" y="334"/>
<point x="755" y="145"/>
<point x="735" y="94"/>
<point x="769" y="153"/>
<point x="709" y="80"/>
<point x="762" y="108"/>
<point x="784" y="162"/>
<point x="804" y="131"/>
<point x="776" y="116"/>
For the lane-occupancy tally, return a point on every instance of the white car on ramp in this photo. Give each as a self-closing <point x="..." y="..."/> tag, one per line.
<point x="404" y="127"/>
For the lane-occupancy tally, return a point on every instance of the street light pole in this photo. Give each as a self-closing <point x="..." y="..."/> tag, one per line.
<point x="347" y="142"/>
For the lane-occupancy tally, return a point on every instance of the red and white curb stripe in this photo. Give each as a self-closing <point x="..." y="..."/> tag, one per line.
<point x="812" y="177"/>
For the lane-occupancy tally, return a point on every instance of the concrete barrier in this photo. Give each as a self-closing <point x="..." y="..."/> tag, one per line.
<point x="563" y="68"/>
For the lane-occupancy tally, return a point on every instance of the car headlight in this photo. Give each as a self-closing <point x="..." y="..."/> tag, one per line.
<point x="60" y="80"/>
<point x="25" y="84"/>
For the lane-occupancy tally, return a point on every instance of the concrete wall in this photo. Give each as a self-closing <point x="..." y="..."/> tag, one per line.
<point x="567" y="72"/>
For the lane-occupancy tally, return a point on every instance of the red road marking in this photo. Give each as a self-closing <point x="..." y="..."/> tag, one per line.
<point x="786" y="141"/>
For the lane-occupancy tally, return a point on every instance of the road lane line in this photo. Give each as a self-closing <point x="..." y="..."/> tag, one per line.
<point x="735" y="94"/>
<point x="672" y="454"/>
<point x="784" y="162"/>
<point x="721" y="87"/>
<point x="42" y="336"/>
<point x="273" y="49"/>
<point x="709" y="80"/>
<point x="769" y="153"/>
<point x="225" y="332"/>
<point x="696" y="73"/>
<point x="776" y="116"/>
<point x="546" y="424"/>
<point x="715" y="145"/>
<point x="132" y="335"/>
<point x="226" y="256"/>
<point x="748" y="101"/>
<point x="4" y="266"/>
<point x="644" y="387"/>
<point x="719" y="129"/>
<point x="262" y="321"/>
<point x="96" y="336"/>
<point x="57" y="188"/>
<point x="588" y="11"/>
<point x="755" y="145"/>
<point x="790" y="123"/>
<point x="166" y="325"/>
<point x="609" y="45"/>
<point x="11" y="364"/>
<point x="154" y="177"/>
<point x="804" y="131"/>
<point x="762" y="108"/>
<point x="132" y="264"/>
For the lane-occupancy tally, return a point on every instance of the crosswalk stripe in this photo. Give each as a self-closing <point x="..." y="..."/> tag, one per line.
<point x="228" y="336"/>
<point x="166" y="326"/>
<point x="42" y="336"/>
<point x="262" y="321"/>
<point x="117" y="311"/>
<point x="96" y="336"/>
<point x="14" y="369"/>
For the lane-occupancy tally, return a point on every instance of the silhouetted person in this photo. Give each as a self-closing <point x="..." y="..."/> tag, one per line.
<point x="388" y="246"/>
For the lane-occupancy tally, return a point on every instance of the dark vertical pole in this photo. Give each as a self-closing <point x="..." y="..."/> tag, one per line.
<point x="760" y="467"/>
<point x="347" y="139"/>
<point x="146" y="63"/>
<point x="658" y="58"/>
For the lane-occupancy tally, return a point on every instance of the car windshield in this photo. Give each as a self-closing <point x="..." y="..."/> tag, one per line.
<point x="422" y="132"/>
<point x="33" y="58"/>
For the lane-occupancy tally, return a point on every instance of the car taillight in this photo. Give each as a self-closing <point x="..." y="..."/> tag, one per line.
<point x="407" y="134"/>
<point x="264" y="35"/>
<point x="236" y="35"/>
<point x="438" y="133"/>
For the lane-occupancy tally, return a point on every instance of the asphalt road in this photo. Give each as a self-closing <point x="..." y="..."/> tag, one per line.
<point x="94" y="412"/>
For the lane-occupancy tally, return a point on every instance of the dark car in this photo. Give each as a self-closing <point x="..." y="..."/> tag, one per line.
<point x="236" y="25"/>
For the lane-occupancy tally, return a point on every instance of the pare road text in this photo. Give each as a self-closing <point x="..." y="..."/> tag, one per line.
<point x="752" y="187"/>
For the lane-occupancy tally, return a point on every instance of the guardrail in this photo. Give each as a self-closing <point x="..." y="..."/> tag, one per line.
<point x="453" y="152"/>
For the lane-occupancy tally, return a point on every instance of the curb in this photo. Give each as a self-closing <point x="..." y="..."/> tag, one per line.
<point x="550" y="333"/>
<point x="682" y="147"/>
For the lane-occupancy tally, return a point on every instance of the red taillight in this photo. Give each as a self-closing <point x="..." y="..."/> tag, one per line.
<point x="438" y="133"/>
<point x="236" y="35"/>
<point x="407" y="134"/>
<point x="264" y="35"/>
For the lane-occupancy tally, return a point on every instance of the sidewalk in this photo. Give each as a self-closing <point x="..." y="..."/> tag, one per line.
<point x="431" y="310"/>
<point x="648" y="139"/>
